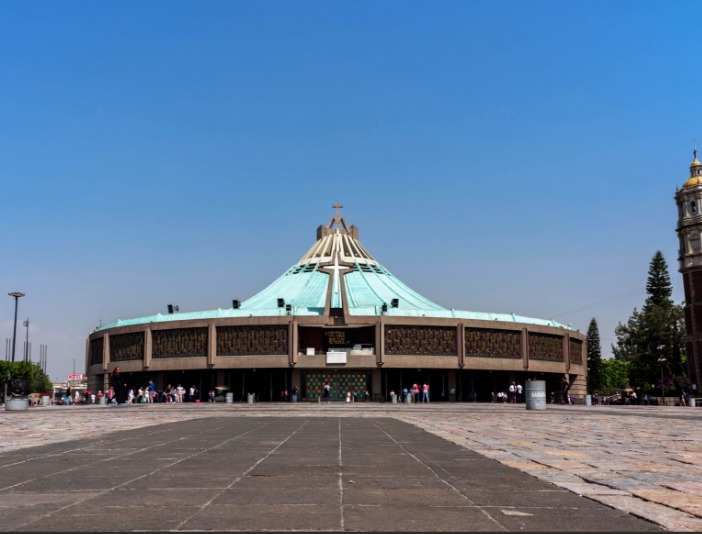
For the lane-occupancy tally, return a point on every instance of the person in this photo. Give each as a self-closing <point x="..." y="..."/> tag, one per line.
<point x="519" y="393"/>
<point x="405" y="395"/>
<point x="513" y="393"/>
<point x="212" y="395"/>
<point x="294" y="394"/>
<point x="119" y="387"/>
<point x="191" y="394"/>
<point x="326" y="393"/>
<point x="566" y="387"/>
<point x="425" y="393"/>
<point x="415" y="392"/>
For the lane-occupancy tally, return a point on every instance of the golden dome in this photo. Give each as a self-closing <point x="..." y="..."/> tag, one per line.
<point x="695" y="171"/>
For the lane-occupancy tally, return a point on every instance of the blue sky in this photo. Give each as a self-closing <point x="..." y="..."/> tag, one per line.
<point x="496" y="156"/>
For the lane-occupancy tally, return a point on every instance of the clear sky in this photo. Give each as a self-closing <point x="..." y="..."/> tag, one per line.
<point x="497" y="156"/>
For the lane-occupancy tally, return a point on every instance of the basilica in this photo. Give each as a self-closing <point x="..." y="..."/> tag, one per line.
<point x="338" y="317"/>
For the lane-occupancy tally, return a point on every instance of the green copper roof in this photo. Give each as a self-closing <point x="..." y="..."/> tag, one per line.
<point x="359" y="284"/>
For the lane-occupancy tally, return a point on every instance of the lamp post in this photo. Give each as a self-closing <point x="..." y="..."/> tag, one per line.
<point x="17" y="296"/>
<point x="26" y="343"/>
<point x="661" y="360"/>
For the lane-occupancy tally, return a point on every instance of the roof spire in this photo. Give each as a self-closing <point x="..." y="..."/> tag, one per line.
<point x="337" y="219"/>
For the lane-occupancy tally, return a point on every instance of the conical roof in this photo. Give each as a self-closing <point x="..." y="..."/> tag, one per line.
<point x="337" y="272"/>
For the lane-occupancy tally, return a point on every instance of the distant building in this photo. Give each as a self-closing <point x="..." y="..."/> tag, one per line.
<point x="339" y="317"/>
<point x="689" y="201"/>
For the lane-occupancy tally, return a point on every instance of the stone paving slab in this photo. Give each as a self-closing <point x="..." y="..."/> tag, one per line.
<point x="434" y="485"/>
<point x="640" y="460"/>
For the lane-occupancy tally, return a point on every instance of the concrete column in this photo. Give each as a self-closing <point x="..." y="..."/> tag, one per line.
<point x="376" y="382"/>
<point x="105" y="352"/>
<point x="451" y="385"/>
<point x="525" y="348"/>
<point x="566" y="352"/>
<point x="211" y="344"/>
<point x="379" y="342"/>
<point x="148" y="347"/>
<point x="297" y="381"/>
<point x="293" y="342"/>
<point x="461" y="344"/>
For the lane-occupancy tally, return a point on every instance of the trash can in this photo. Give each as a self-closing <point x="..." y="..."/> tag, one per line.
<point x="250" y="398"/>
<point x="535" y="395"/>
<point x="46" y="400"/>
<point x="692" y="401"/>
<point x="588" y="400"/>
<point x="393" y="398"/>
<point x="229" y="398"/>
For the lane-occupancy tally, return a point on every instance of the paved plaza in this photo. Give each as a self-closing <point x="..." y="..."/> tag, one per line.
<point x="357" y="467"/>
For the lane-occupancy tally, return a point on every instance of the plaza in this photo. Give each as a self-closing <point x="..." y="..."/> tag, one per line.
<point x="364" y="466"/>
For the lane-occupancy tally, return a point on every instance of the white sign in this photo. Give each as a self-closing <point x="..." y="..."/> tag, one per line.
<point x="538" y="394"/>
<point x="336" y="357"/>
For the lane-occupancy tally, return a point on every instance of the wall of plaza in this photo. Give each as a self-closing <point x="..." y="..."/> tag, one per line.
<point x="376" y="344"/>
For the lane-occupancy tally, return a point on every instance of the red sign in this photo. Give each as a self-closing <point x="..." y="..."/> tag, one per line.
<point x="76" y="377"/>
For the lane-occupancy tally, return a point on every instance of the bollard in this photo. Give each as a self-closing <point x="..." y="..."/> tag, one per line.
<point x="250" y="398"/>
<point x="588" y="400"/>
<point x="535" y="395"/>
<point x="692" y="402"/>
<point x="229" y="398"/>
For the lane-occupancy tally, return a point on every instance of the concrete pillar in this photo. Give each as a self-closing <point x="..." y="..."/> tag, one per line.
<point x="293" y="342"/>
<point x="211" y="344"/>
<point x="148" y="347"/>
<point x="461" y="344"/>
<point x="105" y="352"/>
<point x="376" y="382"/>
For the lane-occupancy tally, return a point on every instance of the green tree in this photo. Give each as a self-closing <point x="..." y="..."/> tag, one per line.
<point x="594" y="358"/>
<point x="655" y="332"/>
<point x="614" y="374"/>
<point x="39" y="382"/>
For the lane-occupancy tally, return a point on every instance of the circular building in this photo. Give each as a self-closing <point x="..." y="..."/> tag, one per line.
<point x="338" y="317"/>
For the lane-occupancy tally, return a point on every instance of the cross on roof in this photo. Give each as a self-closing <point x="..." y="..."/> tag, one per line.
<point x="337" y="219"/>
<point x="337" y="207"/>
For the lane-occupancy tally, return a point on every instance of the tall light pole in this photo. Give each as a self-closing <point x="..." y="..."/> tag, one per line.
<point x="17" y="296"/>
<point x="661" y="360"/>
<point x="26" y="343"/>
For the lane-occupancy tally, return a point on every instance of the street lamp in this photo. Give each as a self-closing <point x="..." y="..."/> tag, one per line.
<point x="26" y="343"/>
<point x="17" y="296"/>
<point x="661" y="360"/>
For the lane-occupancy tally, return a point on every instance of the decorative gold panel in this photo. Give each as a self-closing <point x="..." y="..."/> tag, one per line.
<point x="576" y="351"/>
<point x="545" y="347"/>
<point x="251" y="340"/>
<point x="96" y="351"/>
<point x="125" y="347"/>
<point x="426" y="340"/>
<point x="179" y="343"/>
<point x="492" y="343"/>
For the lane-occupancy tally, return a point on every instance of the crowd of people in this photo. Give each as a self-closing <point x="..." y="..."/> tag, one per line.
<point x="415" y="394"/>
<point x="513" y="395"/>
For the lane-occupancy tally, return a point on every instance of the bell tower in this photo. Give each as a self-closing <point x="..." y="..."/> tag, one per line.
<point x="689" y="201"/>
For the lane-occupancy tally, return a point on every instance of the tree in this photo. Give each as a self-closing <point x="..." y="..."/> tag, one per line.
<point x="39" y="382"/>
<point x="654" y="333"/>
<point x="594" y="358"/>
<point x="615" y="374"/>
